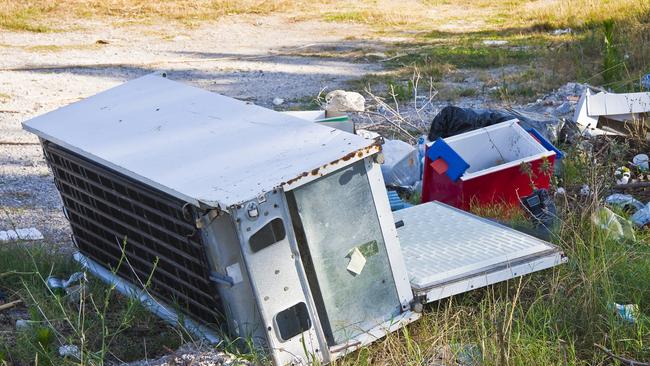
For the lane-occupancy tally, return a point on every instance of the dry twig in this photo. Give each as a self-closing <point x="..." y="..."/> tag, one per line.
<point x="623" y="360"/>
<point x="10" y="305"/>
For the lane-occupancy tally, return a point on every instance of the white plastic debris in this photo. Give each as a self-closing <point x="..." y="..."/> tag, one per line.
<point x="622" y="175"/>
<point x="641" y="161"/>
<point x="401" y="167"/>
<point x="585" y="190"/>
<point x="370" y="135"/>
<point x="624" y="201"/>
<point x="560" y="191"/>
<point x="559" y="32"/>
<point x="341" y="101"/>
<point x="70" y="350"/>
<point x="278" y="101"/>
<point x="627" y="312"/>
<point x="20" y="234"/>
<point x="494" y="42"/>
<point x="641" y="218"/>
<point x="58" y="285"/>
<point x="23" y="324"/>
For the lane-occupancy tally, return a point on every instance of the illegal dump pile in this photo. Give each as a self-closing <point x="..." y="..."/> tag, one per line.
<point x="286" y="250"/>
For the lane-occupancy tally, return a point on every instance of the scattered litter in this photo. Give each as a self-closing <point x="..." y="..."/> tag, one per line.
<point x="341" y="101"/>
<point x="624" y="201"/>
<point x="559" y="32"/>
<point x="618" y="226"/>
<point x="641" y="161"/>
<point x="585" y="190"/>
<point x="23" y="324"/>
<point x="645" y="81"/>
<point x="641" y="218"/>
<point x="278" y="101"/>
<point x="401" y="167"/>
<point x="560" y="191"/>
<point x="70" y="350"/>
<point x="102" y="41"/>
<point x="622" y="175"/>
<point x="370" y="135"/>
<point x="627" y="312"/>
<point x="59" y="286"/>
<point x="564" y="108"/>
<point x="21" y="234"/>
<point x="494" y="42"/>
<point x="541" y="207"/>
<point x="605" y="113"/>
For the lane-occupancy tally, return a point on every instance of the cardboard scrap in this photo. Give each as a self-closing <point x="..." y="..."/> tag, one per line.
<point x="20" y="234"/>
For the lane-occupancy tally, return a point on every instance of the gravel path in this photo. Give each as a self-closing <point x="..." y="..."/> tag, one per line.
<point x="246" y="57"/>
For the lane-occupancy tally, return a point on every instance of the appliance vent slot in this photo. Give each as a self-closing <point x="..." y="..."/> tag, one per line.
<point x="137" y="231"/>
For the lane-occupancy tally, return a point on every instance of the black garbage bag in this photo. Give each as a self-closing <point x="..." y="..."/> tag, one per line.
<point x="455" y="120"/>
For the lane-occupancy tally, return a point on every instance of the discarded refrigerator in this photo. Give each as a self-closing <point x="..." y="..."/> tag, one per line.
<point x="260" y="225"/>
<point x="501" y="164"/>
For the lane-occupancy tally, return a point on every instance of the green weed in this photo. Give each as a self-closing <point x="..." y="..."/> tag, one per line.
<point x="101" y="323"/>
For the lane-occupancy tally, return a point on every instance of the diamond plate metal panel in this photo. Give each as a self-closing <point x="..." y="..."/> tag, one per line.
<point x="441" y="243"/>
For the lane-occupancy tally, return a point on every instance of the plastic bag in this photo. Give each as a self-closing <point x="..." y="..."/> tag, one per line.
<point x="401" y="167"/>
<point x="614" y="224"/>
<point x="642" y="216"/>
<point x="452" y="121"/>
<point x="624" y="201"/>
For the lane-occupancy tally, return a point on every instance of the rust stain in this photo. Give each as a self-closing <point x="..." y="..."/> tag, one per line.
<point x="375" y="147"/>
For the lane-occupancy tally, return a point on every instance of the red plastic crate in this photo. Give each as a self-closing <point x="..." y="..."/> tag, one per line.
<point x="485" y="166"/>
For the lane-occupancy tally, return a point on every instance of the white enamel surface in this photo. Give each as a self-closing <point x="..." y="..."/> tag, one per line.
<point x="191" y="143"/>
<point x="441" y="243"/>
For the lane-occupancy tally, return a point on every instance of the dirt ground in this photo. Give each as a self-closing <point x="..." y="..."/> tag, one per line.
<point x="246" y="57"/>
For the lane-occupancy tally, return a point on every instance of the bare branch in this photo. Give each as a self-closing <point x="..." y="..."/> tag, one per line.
<point x="623" y="360"/>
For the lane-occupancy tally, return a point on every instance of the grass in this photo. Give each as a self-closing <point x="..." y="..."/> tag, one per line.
<point x="103" y="324"/>
<point x="35" y="16"/>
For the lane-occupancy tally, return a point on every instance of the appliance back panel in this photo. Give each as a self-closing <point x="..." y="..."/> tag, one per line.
<point x="137" y="231"/>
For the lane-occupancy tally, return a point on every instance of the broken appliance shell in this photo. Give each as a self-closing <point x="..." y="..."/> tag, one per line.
<point x="262" y="225"/>
<point x="612" y="114"/>
<point x="490" y="166"/>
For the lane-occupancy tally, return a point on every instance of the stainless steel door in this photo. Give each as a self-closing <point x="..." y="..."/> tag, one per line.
<point x="343" y="250"/>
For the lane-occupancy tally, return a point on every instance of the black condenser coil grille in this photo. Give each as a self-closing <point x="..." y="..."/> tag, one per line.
<point x="121" y="223"/>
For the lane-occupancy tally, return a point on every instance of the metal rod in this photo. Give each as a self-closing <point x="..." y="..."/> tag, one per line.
<point x="164" y="312"/>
